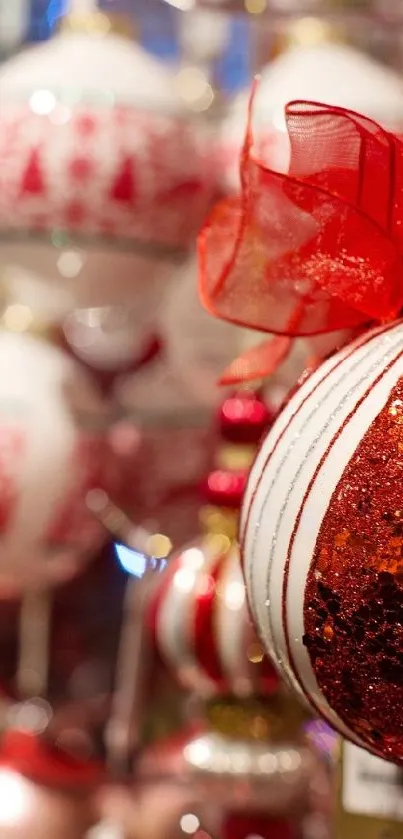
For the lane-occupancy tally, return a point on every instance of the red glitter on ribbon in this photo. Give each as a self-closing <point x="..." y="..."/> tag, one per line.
<point x="316" y="250"/>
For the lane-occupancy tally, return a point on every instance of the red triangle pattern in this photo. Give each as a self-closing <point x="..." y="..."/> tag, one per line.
<point x="33" y="182"/>
<point x="124" y="188"/>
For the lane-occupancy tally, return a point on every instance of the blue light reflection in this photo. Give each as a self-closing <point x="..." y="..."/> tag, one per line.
<point x="136" y="563"/>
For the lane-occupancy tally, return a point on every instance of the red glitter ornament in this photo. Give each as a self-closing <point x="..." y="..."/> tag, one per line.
<point x="323" y="541"/>
<point x="354" y="593"/>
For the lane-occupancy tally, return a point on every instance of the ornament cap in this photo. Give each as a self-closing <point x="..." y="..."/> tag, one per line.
<point x="276" y="719"/>
<point x="219" y="522"/>
<point x="236" y="456"/>
<point x="98" y="24"/>
<point x="307" y="32"/>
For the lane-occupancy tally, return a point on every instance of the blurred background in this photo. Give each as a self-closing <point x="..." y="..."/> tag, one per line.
<point x="136" y="701"/>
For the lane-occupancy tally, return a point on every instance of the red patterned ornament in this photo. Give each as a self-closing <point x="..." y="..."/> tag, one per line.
<point x="111" y="163"/>
<point x="53" y="451"/>
<point x="89" y="163"/>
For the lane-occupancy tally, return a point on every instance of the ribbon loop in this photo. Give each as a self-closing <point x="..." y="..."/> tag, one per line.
<point x="319" y="249"/>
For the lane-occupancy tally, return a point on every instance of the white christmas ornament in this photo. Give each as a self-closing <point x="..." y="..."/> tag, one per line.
<point x="188" y="372"/>
<point x="52" y="453"/>
<point x="97" y="150"/>
<point x="198" y="363"/>
<point x="328" y="73"/>
<point x="322" y="540"/>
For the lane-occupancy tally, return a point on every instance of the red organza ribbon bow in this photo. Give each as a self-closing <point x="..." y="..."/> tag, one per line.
<point x="317" y="250"/>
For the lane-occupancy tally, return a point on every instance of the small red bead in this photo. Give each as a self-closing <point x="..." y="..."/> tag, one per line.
<point x="244" y="417"/>
<point x="225" y="488"/>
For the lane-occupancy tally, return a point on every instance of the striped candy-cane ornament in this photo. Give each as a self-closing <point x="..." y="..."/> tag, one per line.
<point x="322" y="534"/>
<point x="201" y="623"/>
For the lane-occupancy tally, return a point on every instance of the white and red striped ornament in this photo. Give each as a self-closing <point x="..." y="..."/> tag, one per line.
<point x="201" y="626"/>
<point x="322" y="537"/>
<point x="53" y="451"/>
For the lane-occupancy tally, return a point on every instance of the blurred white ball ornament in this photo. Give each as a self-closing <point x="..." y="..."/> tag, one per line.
<point x="188" y="372"/>
<point x="329" y="73"/>
<point x="52" y="453"/>
<point x="198" y="363"/>
<point x="103" y="171"/>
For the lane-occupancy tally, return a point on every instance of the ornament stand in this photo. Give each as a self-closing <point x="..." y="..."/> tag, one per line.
<point x="33" y="663"/>
<point x="122" y="735"/>
<point x="123" y="730"/>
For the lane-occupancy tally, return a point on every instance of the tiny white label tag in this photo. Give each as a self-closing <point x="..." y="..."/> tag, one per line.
<point x="371" y="787"/>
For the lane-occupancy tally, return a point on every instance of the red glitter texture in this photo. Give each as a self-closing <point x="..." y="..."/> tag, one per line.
<point x="354" y="593"/>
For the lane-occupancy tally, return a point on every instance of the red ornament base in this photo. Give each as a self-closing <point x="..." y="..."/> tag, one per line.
<point x="239" y="826"/>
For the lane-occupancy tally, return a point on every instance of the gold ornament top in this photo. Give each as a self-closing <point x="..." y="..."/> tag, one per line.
<point x="235" y="456"/>
<point x="98" y="24"/>
<point x="276" y="719"/>
<point x="307" y="32"/>
<point x="217" y="521"/>
<point x="20" y="319"/>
